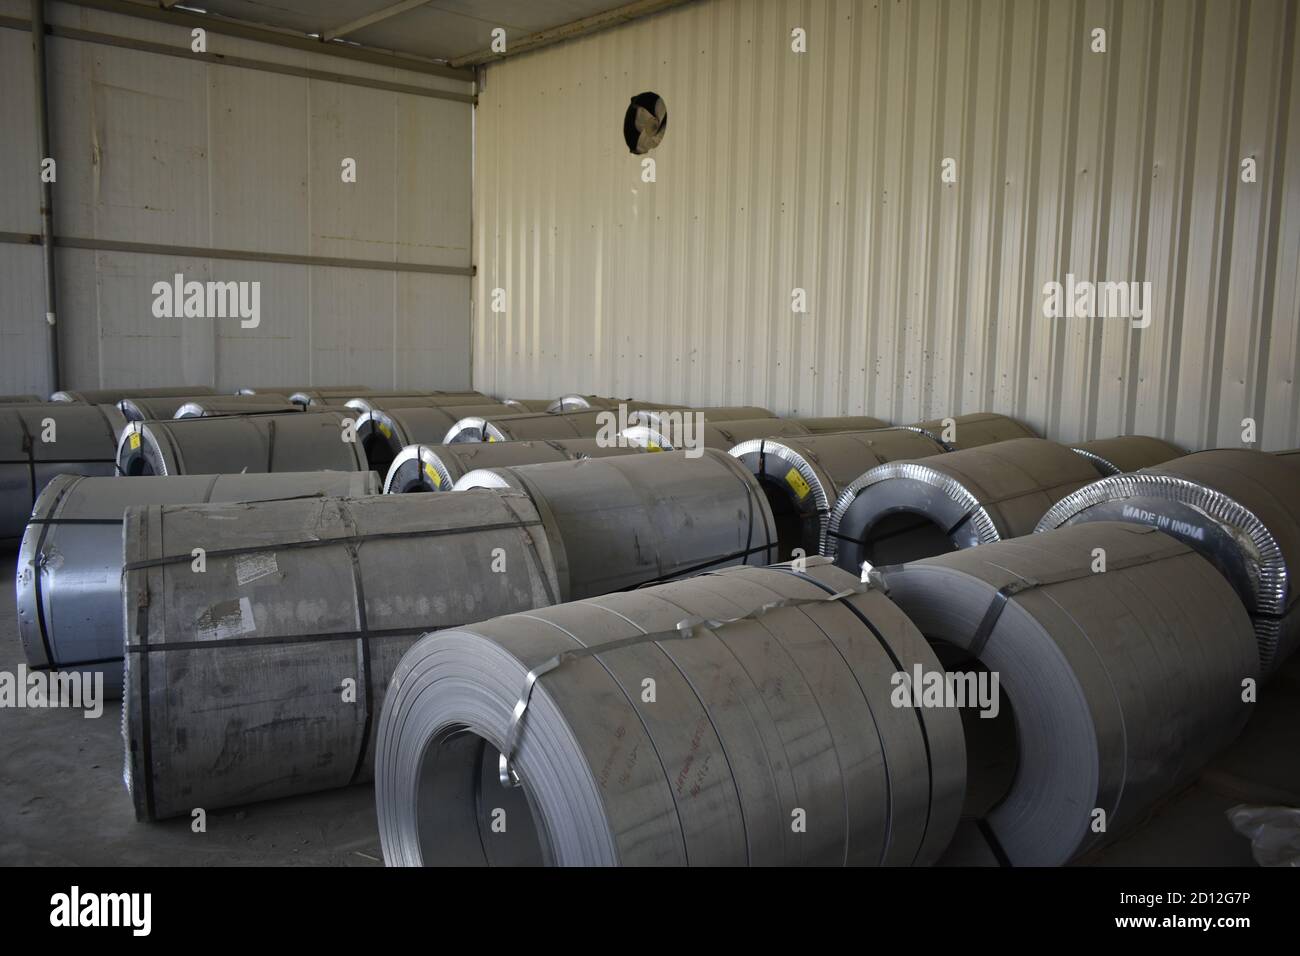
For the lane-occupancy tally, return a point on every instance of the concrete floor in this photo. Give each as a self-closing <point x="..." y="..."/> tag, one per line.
<point x="62" y="800"/>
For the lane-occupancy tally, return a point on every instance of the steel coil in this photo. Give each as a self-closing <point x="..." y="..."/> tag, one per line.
<point x="529" y="426"/>
<point x="521" y="405"/>
<point x="111" y="396"/>
<point x="333" y="399"/>
<point x="21" y="400"/>
<point x="221" y="405"/>
<point x="70" y="561"/>
<point x="723" y="436"/>
<point x="1290" y="455"/>
<point x="662" y="417"/>
<point x="803" y="477"/>
<point x="426" y="468"/>
<point x="263" y="676"/>
<point x="840" y="423"/>
<point x="737" y="718"/>
<point x="625" y="522"/>
<point x="578" y="403"/>
<point x="384" y="432"/>
<point x="290" y="389"/>
<point x="1125" y="453"/>
<point x="38" y="442"/>
<point x="467" y="406"/>
<point x="1238" y="508"/>
<point x="320" y="441"/>
<point x="149" y="409"/>
<point x="978" y="428"/>
<point x="1122" y="684"/>
<point x="904" y="510"/>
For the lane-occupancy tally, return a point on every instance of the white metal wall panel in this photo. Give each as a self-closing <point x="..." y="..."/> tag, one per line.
<point x="159" y="149"/>
<point x="822" y="171"/>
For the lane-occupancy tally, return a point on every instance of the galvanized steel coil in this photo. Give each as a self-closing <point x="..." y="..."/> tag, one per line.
<point x="904" y="510"/>
<point x="111" y="396"/>
<point x="469" y="406"/>
<point x="384" y="432"/>
<point x="1238" y="508"/>
<point x="263" y="676"/>
<point x="69" y="574"/>
<point x="531" y="425"/>
<point x="521" y="405"/>
<point x="427" y="468"/>
<point x="221" y="405"/>
<point x="840" y="423"/>
<point x="723" y="436"/>
<point x="333" y="399"/>
<point x="149" y="409"/>
<point x="290" y="389"/>
<point x="1124" y="453"/>
<point x="38" y="442"/>
<point x="803" y="477"/>
<point x="1122" y="684"/>
<point x="624" y="522"/>
<point x="977" y="428"/>
<point x="662" y="417"/>
<point x="294" y="441"/>
<point x="737" y="718"/>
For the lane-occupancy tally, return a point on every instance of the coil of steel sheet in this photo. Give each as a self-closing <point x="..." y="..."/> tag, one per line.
<point x="662" y="418"/>
<point x="333" y="399"/>
<point x="532" y="426"/>
<point x="217" y="407"/>
<point x="723" y="436"/>
<point x="294" y="441"/>
<point x="737" y="718"/>
<point x="263" y="676"/>
<point x="452" y="404"/>
<point x="978" y="428"/>
<point x="521" y="405"/>
<point x="1238" y="508"/>
<point x="150" y="409"/>
<point x="70" y="561"/>
<point x="1124" y="453"/>
<point x="290" y="389"/>
<point x="840" y="423"/>
<point x="38" y="442"/>
<point x="111" y="396"/>
<point x="803" y="476"/>
<point x="904" y="510"/>
<point x="627" y="521"/>
<point x="578" y="403"/>
<point x="1120" y="685"/>
<point x="384" y="432"/>
<point x="423" y="468"/>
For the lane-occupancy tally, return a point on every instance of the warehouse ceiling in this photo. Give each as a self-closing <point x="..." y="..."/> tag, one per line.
<point x="438" y="29"/>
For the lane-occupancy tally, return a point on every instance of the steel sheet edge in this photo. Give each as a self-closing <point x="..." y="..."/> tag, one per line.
<point x="69" y="573"/>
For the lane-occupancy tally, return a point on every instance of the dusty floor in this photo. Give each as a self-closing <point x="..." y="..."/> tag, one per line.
<point x="62" y="799"/>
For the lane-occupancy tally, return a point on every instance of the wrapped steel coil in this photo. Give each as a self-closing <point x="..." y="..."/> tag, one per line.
<point x="532" y="425"/>
<point x="840" y="423"/>
<point x="384" y="432"/>
<point x="803" y="477"/>
<point x="1124" y="453"/>
<point x="578" y="403"/>
<point x="216" y="407"/>
<point x="978" y="428"/>
<point x="69" y="576"/>
<point x="624" y="522"/>
<point x="466" y="406"/>
<point x="294" y="441"/>
<point x="1122" y="684"/>
<point x="662" y="418"/>
<point x="21" y="400"/>
<point x="38" y="442"/>
<point x="424" y="468"/>
<point x="290" y="389"/>
<point x="904" y="510"/>
<point x="159" y="409"/>
<point x="1236" y="507"/>
<point x="724" y="436"/>
<point x="262" y="676"/>
<point x="111" y="396"/>
<point x="738" y="718"/>
<point x="521" y="405"/>
<point x="333" y="399"/>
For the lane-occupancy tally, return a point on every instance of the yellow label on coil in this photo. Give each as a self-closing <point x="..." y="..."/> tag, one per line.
<point x="492" y="437"/>
<point x="653" y="447"/>
<point x="433" y="475"/>
<point x="135" y="440"/>
<point x="388" y="432"/>
<point x="796" y="481"/>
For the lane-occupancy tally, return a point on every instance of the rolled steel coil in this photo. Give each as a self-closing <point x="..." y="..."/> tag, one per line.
<point x="38" y="442"/>
<point x="1238" y="508"/>
<point x="521" y="405"/>
<point x="294" y="441"/>
<point x="662" y="417"/>
<point x="425" y="468"/>
<point x="1124" y="453"/>
<point x="840" y="423"/>
<point x="803" y="476"/>
<point x="737" y="718"/>
<point x="290" y="389"/>
<point x="723" y="436"/>
<point x="530" y="426"/>
<point x="314" y="397"/>
<point x="904" y="510"/>
<point x="470" y="406"/>
<point x="150" y="409"/>
<point x="111" y="396"/>
<point x="216" y="407"/>
<point x="1122" y="685"/>
<point x="21" y="400"/>
<point x="624" y="522"/>
<point x="384" y="432"/>
<point x="69" y="576"/>
<point x="263" y="676"/>
<point x="578" y="403"/>
<point x="978" y="428"/>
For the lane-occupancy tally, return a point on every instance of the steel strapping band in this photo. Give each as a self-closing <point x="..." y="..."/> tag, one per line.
<point x="683" y="629"/>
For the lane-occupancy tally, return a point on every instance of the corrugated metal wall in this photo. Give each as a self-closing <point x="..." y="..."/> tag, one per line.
<point x="159" y="149"/>
<point x="822" y="171"/>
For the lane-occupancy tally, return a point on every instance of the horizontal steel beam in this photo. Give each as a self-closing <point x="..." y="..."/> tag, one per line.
<point x="246" y="255"/>
<point x="185" y="53"/>
<point x="360" y="23"/>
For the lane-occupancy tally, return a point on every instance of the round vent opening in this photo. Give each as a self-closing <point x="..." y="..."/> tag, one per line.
<point x="645" y="122"/>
